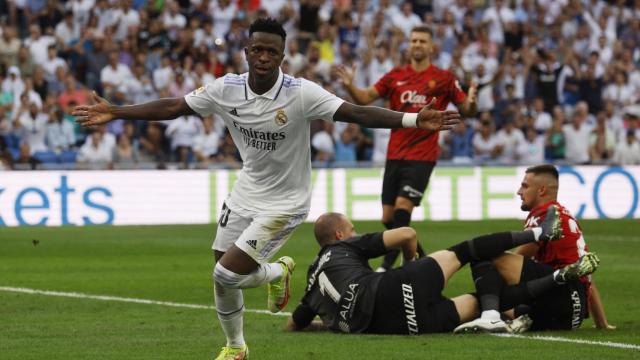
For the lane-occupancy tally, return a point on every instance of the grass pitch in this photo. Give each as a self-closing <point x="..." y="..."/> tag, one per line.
<point x="174" y="263"/>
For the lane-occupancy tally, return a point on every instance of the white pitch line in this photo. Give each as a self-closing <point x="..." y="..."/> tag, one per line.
<point x="575" y="341"/>
<point x="125" y="300"/>
<point x="255" y="311"/>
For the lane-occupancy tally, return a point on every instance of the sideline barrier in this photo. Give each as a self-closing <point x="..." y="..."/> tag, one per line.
<point x="54" y="198"/>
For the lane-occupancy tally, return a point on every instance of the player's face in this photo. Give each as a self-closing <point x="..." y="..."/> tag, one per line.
<point x="420" y="46"/>
<point x="264" y="53"/>
<point x="528" y="192"/>
<point x="347" y="228"/>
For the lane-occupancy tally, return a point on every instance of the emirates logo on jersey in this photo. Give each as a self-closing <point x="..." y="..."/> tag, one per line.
<point x="412" y="96"/>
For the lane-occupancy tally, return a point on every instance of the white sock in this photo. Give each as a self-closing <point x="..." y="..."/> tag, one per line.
<point x="264" y="274"/>
<point x="230" y="306"/>
<point x="490" y="315"/>
<point x="537" y="231"/>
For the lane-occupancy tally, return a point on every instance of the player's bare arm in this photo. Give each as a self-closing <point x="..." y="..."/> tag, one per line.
<point x="596" y="309"/>
<point x="376" y="117"/>
<point x="469" y="106"/>
<point x="361" y="96"/>
<point x="405" y="238"/>
<point x="101" y="111"/>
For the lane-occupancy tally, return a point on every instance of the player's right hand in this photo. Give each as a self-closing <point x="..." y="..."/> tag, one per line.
<point x="345" y="74"/>
<point x="91" y="115"/>
<point x="435" y="120"/>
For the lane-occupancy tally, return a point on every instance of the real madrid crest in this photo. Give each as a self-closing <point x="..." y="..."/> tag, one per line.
<point x="281" y="117"/>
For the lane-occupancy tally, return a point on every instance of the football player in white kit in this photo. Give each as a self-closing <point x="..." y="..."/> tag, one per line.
<point x="268" y="115"/>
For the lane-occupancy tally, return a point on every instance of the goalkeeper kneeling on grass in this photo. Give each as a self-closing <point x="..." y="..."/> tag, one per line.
<point x="350" y="297"/>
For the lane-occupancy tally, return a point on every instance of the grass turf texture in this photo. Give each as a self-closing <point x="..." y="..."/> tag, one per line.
<point x="173" y="263"/>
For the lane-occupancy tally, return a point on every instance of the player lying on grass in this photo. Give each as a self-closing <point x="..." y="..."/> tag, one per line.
<point x="350" y="297"/>
<point x="501" y="284"/>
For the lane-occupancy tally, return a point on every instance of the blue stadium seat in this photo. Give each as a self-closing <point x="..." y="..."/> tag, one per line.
<point x="46" y="157"/>
<point x="68" y="156"/>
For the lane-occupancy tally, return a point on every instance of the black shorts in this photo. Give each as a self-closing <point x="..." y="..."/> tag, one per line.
<point x="563" y="308"/>
<point x="406" y="178"/>
<point x="409" y="301"/>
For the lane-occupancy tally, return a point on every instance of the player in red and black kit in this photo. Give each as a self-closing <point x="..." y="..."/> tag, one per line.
<point x="509" y="284"/>
<point x="412" y="153"/>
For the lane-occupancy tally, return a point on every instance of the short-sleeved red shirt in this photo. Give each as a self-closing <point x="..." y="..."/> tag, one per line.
<point x="409" y="91"/>
<point x="564" y="251"/>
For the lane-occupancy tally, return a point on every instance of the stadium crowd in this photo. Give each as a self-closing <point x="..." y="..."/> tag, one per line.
<point x="558" y="81"/>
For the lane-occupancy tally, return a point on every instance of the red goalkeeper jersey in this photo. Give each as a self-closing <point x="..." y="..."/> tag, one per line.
<point x="568" y="248"/>
<point x="409" y="91"/>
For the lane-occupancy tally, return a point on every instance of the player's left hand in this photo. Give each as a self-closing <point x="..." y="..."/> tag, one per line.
<point x="435" y="120"/>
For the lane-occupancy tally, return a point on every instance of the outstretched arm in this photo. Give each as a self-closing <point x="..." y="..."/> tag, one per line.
<point x="101" y="112"/>
<point x="596" y="308"/>
<point x="376" y="117"/>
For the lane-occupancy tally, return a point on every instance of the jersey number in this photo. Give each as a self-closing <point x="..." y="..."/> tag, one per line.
<point x="327" y="288"/>
<point x="224" y="216"/>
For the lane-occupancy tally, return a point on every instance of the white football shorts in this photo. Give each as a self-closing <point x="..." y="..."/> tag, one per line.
<point x="260" y="237"/>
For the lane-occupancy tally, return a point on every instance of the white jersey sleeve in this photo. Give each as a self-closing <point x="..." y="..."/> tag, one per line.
<point x="205" y="99"/>
<point x="317" y="102"/>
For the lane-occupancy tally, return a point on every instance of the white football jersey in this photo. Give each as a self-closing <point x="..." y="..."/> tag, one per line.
<point x="271" y="132"/>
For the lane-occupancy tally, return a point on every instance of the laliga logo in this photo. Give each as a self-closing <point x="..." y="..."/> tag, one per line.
<point x="412" y="96"/>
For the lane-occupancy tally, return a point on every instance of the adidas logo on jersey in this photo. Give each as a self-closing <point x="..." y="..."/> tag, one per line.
<point x="234" y="112"/>
<point x="252" y="243"/>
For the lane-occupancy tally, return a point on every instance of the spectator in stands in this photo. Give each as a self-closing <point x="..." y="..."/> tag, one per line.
<point x="543" y="120"/>
<point x="41" y="85"/>
<point x="620" y="91"/>
<point x="38" y="44"/>
<point x="67" y="31"/>
<point x="602" y="141"/>
<point x="13" y="83"/>
<point x="293" y="56"/>
<point x="180" y="86"/>
<point x="532" y="150"/>
<point x="9" y="46"/>
<point x="114" y="75"/>
<point x="627" y="152"/>
<point x="576" y="135"/>
<point x="126" y="20"/>
<point x="322" y="143"/>
<point x="52" y="63"/>
<point x="125" y="153"/>
<point x="151" y="144"/>
<point x="484" y="143"/>
<point x="30" y="125"/>
<point x="59" y="132"/>
<point x="73" y="93"/>
<point x="206" y="144"/>
<point x="182" y="132"/>
<point x="96" y="150"/>
<point x="509" y="140"/>
<point x="460" y="141"/>
<point x="163" y="75"/>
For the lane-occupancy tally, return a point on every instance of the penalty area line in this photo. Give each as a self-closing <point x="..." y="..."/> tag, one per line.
<point x="574" y="341"/>
<point x="77" y="295"/>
